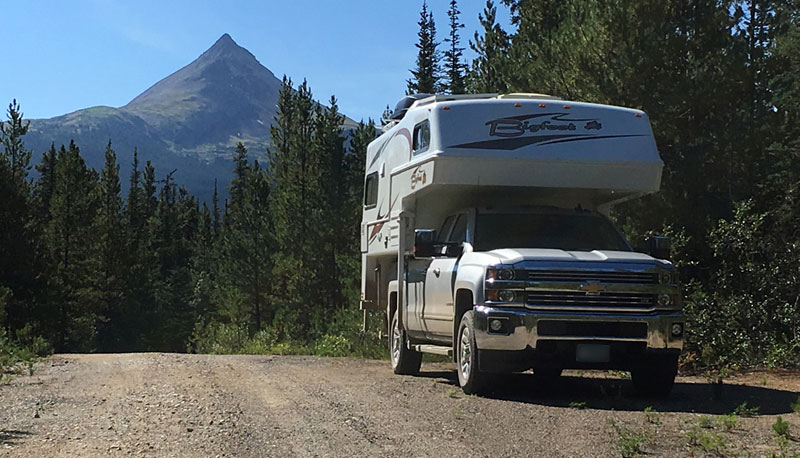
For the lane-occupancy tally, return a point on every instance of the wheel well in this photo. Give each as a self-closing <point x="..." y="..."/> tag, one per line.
<point x="464" y="303"/>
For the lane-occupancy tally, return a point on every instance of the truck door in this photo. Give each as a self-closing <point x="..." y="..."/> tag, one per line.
<point x="438" y="311"/>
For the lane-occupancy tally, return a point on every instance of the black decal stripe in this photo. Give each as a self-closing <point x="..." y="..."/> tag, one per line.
<point x="554" y="116"/>
<point x="509" y="144"/>
<point x="596" y="137"/>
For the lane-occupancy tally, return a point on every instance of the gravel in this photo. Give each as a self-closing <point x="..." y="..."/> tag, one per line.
<point x="155" y="404"/>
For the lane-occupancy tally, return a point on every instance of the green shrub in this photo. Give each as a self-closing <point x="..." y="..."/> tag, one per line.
<point x="781" y="428"/>
<point x="743" y="411"/>
<point x="630" y="442"/>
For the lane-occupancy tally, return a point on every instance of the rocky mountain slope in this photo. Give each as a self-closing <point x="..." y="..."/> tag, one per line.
<point x="189" y="121"/>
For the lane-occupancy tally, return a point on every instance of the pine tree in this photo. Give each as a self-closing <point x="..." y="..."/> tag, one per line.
<point x="295" y="175"/>
<point x="45" y="184"/>
<point x="453" y="57"/>
<point x="18" y="270"/>
<point x="244" y="286"/>
<point x="215" y="214"/>
<point x="72" y="244"/>
<point x="141" y="263"/>
<point x="426" y="75"/>
<point x="14" y="151"/>
<point x="110" y="231"/>
<point x="329" y="143"/>
<point x="239" y="180"/>
<point x="487" y="72"/>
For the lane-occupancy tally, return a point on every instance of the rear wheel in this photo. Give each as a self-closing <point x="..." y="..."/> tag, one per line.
<point x="404" y="360"/>
<point x="655" y="376"/>
<point x="471" y="379"/>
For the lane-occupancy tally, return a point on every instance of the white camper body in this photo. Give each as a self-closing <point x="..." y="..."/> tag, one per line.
<point x="449" y="152"/>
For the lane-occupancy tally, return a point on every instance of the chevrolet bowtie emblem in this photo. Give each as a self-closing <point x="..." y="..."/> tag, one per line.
<point x="592" y="289"/>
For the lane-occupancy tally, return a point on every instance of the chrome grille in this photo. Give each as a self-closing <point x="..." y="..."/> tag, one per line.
<point x="563" y="300"/>
<point x="606" y="276"/>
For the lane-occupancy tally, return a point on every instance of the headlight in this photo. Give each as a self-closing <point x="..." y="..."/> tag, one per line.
<point x="668" y="277"/>
<point x="664" y="300"/>
<point x="505" y="274"/>
<point x="506" y="295"/>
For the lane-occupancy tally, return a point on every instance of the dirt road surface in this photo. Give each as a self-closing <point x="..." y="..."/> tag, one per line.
<point x="198" y="405"/>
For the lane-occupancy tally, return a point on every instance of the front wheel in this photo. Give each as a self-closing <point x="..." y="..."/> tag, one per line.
<point x="655" y="377"/>
<point x="404" y="360"/>
<point x="471" y="379"/>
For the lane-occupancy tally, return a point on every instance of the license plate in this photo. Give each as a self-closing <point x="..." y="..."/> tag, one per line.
<point x="592" y="353"/>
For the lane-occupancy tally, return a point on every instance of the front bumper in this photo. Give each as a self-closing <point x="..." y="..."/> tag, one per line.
<point x="521" y="330"/>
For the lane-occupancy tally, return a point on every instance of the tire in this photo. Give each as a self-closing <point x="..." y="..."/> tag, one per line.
<point x="655" y="377"/>
<point x="404" y="361"/>
<point x="470" y="377"/>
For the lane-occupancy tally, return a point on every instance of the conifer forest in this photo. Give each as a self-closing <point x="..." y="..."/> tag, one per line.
<point x="94" y="261"/>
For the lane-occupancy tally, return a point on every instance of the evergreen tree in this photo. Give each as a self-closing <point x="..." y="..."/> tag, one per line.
<point x="43" y="191"/>
<point x="141" y="262"/>
<point x="295" y="175"/>
<point x="109" y="229"/>
<point x="329" y="143"/>
<point x="18" y="270"/>
<point x="426" y="75"/>
<point x="244" y="287"/>
<point x="215" y="201"/>
<point x="453" y="57"/>
<point x="72" y="243"/>
<point x="14" y="152"/>
<point x="175" y="227"/>
<point x="487" y="74"/>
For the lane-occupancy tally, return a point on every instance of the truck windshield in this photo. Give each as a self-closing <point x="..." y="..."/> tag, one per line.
<point x="570" y="232"/>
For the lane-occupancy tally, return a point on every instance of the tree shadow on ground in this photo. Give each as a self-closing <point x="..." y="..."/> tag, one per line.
<point x="618" y="394"/>
<point x="12" y="436"/>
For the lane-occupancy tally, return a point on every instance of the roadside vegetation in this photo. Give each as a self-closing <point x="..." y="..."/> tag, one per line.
<point x="276" y="267"/>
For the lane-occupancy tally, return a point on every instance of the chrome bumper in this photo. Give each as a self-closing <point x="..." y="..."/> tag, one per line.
<point x="521" y="328"/>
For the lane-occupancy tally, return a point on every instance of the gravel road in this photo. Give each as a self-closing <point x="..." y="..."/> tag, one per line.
<point x="156" y="404"/>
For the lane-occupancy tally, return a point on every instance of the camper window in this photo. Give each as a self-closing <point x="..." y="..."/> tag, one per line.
<point x="371" y="190"/>
<point x="422" y="136"/>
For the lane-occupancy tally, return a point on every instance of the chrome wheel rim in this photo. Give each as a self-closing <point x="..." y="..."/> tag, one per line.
<point x="396" y="342"/>
<point x="465" y="353"/>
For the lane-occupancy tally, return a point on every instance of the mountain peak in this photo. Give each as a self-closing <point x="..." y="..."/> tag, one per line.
<point x="225" y="41"/>
<point x="224" y="48"/>
<point x="226" y="87"/>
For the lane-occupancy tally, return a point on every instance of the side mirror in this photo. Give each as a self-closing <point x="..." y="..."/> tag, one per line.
<point x="658" y="246"/>
<point x="424" y="240"/>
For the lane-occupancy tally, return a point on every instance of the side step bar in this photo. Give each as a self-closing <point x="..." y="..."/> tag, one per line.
<point x="434" y="349"/>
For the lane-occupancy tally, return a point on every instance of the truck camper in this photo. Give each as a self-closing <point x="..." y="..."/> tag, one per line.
<point x="485" y="236"/>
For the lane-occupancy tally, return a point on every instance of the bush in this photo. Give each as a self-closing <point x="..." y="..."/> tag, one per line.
<point x="334" y="334"/>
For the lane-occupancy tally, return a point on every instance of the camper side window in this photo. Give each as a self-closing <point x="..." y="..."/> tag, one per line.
<point x="371" y="190"/>
<point x="422" y="137"/>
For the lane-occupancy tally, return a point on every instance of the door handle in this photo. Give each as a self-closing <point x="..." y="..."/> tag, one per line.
<point x="437" y="271"/>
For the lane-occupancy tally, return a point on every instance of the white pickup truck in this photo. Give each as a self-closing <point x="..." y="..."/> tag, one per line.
<point x="485" y="236"/>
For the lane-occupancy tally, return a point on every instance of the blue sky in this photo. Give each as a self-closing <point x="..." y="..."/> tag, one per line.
<point x="61" y="56"/>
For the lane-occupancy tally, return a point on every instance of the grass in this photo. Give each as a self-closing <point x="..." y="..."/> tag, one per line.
<point x="708" y="441"/>
<point x="795" y="405"/>
<point x="630" y="443"/>
<point x="743" y="411"/>
<point x="705" y="423"/>
<point x="729" y="422"/>
<point x="580" y="405"/>
<point x="781" y="428"/>
<point x="651" y="416"/>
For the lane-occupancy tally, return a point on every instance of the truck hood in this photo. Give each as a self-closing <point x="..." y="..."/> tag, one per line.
<point x="514" y="255"/>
